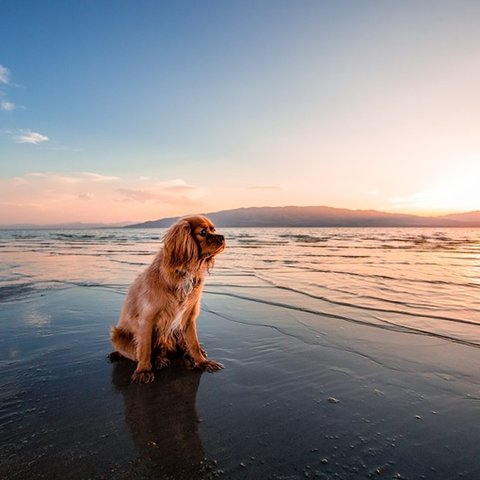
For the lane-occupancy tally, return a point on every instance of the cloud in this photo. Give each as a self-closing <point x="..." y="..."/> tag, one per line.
<point x="23" y="136"/>
<point x="20" y="136"/>
<point x="97" y="177"/>
<point x="56" y="197"/>
<point x="177" y="186"/>
<point x="457" y="191"/>
<point x="4" y="75"/>
<point x="152" y="189"/>
<point x="146" y="196"/>
<point x="139" y="195"/>
<point x="86" y="196"/>
<point x="264" y="187"/>
<point x="33" y="138"/>
<point x="173" y="192"/>
<point x="414" y="201"/>
<point x="7" y="106"/>
<point x="18" y="181"/>
<point x="74" y="177"/>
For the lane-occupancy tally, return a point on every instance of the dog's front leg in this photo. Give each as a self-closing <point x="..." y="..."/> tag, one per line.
<point x="193" y="345"/>
<point x="143" y="373"/>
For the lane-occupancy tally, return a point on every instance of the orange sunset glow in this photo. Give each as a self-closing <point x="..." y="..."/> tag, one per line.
<point x="369" y="106"/>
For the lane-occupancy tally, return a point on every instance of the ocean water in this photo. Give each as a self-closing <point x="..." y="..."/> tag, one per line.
<point x="349" y="353"/>
<point x="419" y="281"/>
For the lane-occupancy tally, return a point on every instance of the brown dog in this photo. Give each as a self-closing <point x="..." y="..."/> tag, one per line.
<point x="162" y="305"/>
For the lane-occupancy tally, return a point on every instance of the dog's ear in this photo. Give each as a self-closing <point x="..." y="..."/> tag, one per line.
<point x="209" y="263"/>
<point x="179" y="247"/>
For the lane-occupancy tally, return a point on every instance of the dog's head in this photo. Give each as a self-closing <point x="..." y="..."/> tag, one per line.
<point x="190" y="242"/>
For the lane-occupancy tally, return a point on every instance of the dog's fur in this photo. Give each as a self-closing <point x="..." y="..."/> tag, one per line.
<point x="160" y="311"/>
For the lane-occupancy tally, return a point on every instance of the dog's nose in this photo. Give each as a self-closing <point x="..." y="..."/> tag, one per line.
<point x="221" y="238"/>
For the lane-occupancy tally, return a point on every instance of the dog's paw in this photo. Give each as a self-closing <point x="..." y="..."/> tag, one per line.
<point x="210" y="366"/>
<point x="189" y="362"/>
<point x="161" y="362"/>
<point x="143" y="376"/>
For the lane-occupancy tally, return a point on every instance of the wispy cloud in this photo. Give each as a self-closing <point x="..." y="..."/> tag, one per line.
<point x="178" y="185"/>
<point x="21" y="136"/>
<point x="33" y="138"/>
<point x="457" y="191"/>
<point x="264" y="187"/>
<point x="144" y="196"/>
<point x="75" y="177"/>
<point x="51" y="197"/>
<point x="86" y="196"/>
<point x="171" y="192"/>
<point x="96" y="177"/>
<point x="414" y="201"/>
<point x="7" y="106"/>
<point x="4" y="75"/>
<point x="140" y="195"/>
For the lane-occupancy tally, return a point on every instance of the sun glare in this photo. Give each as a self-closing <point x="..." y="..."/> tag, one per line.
<point x="461" y="191"/>
<point x="457" y="193"/>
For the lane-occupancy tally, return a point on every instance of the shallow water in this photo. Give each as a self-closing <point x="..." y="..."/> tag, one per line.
<point x="349" y="353"/>
<point x="424" y="281"/>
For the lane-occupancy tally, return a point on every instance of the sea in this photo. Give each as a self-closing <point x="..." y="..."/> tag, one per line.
<point x="420" y="281"/>
<point x="348" y="353"/>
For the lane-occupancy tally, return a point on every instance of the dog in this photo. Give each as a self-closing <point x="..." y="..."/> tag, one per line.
<point x="162" y="305"/>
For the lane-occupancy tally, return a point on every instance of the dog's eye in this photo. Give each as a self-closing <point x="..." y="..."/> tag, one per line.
<point x="203" y="233"/>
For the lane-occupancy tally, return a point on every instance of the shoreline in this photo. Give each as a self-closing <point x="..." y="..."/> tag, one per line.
<point x="340" y="401"/>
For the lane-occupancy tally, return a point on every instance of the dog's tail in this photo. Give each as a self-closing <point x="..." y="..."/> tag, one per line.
<point x="124" y="342"/>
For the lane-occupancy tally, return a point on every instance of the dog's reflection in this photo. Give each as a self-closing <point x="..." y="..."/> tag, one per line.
<point x="163" y="420"/>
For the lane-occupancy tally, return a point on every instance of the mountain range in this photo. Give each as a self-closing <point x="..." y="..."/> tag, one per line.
<point x="322" y="217"/>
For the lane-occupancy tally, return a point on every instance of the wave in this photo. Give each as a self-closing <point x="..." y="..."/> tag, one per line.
<point x="16" y="291"/>
<point x="382" y="276"/>
<point x="75" y="236"/>
<point x="304" y="238"/>
<point x="377" y="309"/>
<point x="419" y="279"/>
<point x="382" y="324"/>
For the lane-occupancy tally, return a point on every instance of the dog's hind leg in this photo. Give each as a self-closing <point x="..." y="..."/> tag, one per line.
<point x="124" y="344"/>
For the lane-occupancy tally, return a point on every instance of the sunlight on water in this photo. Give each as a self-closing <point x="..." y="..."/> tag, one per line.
<point x="425" y="281"/>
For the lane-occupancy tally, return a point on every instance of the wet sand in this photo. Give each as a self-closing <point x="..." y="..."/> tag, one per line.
<point x="301" y="396"/>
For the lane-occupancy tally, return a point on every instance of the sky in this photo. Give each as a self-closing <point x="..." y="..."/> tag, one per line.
<point x="119" y="111"/>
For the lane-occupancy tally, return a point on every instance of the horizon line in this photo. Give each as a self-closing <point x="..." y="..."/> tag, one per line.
<point x="121" y="224"/>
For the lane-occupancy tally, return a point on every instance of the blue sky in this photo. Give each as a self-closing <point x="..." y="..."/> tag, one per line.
<point x="116" y="110"/>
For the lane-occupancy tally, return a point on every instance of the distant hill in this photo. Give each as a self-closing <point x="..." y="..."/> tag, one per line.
<point x="469" y="217"/>
<point x="321" y="217"/>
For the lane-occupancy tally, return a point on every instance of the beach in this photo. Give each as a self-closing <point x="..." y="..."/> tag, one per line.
<point x="348" y="354"/>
